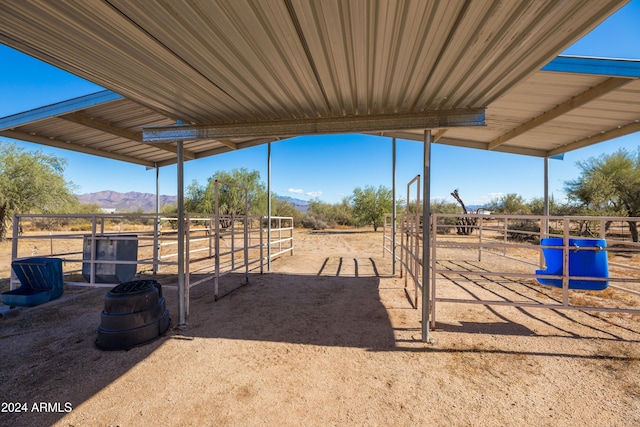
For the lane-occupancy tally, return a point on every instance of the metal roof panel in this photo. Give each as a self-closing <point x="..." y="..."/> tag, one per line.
<point x="244" y="62"/>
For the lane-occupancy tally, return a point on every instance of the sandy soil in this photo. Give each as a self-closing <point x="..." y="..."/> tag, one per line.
<point x="329" y="337"/>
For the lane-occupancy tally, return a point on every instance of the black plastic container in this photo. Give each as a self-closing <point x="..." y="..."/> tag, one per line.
<point x="134" y="313"/>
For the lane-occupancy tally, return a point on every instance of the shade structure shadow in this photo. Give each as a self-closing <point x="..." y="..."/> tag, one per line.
<point x="472" y="285"/>
<point x="490" y="328"/>
<point x="301" y="309"/>
<point x="50" y="349"/>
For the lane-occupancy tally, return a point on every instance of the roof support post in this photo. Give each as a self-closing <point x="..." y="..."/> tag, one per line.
<point x="546" y="196"/>
<point x="269" y="207"/>
<point x="394" y="214"/>
<point x="182" y="294"/>
<point x="544" y="226"/>
<point x="157" y="225"/>
<point x="426" y="235"/>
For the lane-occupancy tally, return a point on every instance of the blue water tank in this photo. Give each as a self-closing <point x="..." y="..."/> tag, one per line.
<point x="583" y="262"/>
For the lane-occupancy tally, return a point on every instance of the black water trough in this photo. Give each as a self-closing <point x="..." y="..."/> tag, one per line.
<point x="134" y="313"/>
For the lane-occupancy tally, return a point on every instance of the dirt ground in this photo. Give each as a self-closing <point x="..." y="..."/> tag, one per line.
<point x="328" y="337"/>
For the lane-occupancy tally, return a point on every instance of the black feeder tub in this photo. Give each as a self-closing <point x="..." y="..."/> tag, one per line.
<point x="134" y="313"/>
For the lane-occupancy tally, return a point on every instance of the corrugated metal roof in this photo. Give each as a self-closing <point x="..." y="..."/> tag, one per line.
<point x="247" y="62"/>
<point x="591" y="108"/>
<point x="209" y="62"/>
<point x="108" y="125"/>
<point x="553" y="112"/>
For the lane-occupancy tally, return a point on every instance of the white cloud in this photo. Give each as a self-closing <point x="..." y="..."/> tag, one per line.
<point x="306" y="193"/>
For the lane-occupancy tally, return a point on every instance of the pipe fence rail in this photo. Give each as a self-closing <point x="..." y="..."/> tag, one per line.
<point x="504" y="259"/>
<point x="98" y="249"/>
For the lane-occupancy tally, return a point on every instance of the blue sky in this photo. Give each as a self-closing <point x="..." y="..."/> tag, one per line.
<point x="327" y="167"/>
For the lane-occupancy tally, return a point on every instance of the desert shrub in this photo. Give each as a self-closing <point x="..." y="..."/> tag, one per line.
<point x="81" y="227"/>
<point x="446" y="225"/>
<point x="519" y="226"/>
<point x="313" y="221"/>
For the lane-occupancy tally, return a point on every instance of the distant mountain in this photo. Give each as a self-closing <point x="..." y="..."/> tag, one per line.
<point x="301" y="205"/>
<point x="131" y="201"/>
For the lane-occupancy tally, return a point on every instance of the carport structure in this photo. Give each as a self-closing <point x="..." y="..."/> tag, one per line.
<point x="187" y="80"/>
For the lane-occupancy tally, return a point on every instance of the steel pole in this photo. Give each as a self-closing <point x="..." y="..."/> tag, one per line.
<point x="426" y="227"/>
<point x="182" y="310"/>
<point x="156" y="231"/>
<point x="269" y="206"/>
<point x="394" y="214"/>
<point x="546" y="196"/>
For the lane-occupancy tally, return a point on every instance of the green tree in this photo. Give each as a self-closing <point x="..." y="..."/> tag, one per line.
<point x="232" y="200"/>
<point x="510" y="204"/>
<point x="609" y="185"/>
<point x="536" y="207"/>
<point x="319" y="216"/>
<point x="201" y="199"/>
<point x="31" y="182"/>
<point x="442" y="206"/>
<point x="342" y="213"/>
<point x="448" y="224"/>
<point x="329" y="215"/>
<point x="284" y="208"/>
<point x="370" y="205"/>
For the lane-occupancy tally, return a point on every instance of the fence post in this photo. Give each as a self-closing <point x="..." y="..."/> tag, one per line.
<point x="565" y="263"/>
<point x="187" y="271"/>
<point x="217" y="242"/>
<point x="479" y="240"/>
<point x="261" y="246"/>
<point x="14" y="248"/>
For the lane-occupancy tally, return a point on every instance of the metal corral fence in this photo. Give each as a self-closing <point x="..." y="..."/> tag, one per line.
<point x="106" y="249"/>
<point x="582" y="263"/>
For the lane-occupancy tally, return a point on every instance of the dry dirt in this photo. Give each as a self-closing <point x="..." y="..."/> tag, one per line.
<point x="329" y="337"/>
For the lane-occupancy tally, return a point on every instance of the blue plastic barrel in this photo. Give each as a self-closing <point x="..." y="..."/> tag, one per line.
<point x="582" y="262"/>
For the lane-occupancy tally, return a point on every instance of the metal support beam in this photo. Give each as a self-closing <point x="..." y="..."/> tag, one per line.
<point x="426" y="236"/>
<point x="394" y="213"/>
<point x="83" y="120"/>
<point x="573" y="103"/>
<point x="466" y="143"/>
<point x="58" y="109"/>
<point x="301" y="127"/>
<point x="156" y="227"/>
<point x="186" y="154"/>
<point x="439" y="135"/>
<point x="546" y="196"/>
<point x="219" y="150"/>
<point x="182" y="292"/>
<point x="228" y="144"/>
<point x="268" y="207"/>
<point x="595" y="139"/>
<point x="66" y="145"/>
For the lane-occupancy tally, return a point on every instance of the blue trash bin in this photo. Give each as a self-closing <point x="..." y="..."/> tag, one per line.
<point x="583" y="263"/>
